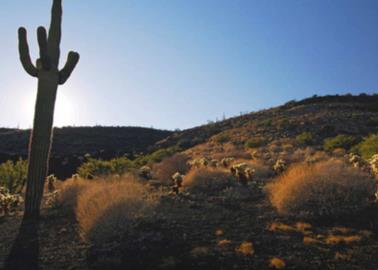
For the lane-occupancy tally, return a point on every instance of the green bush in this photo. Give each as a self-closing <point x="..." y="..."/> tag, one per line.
<point x="340" y="141"/>
<point x="13" y="175"/>
<point x="97" y="167"/>
<point x="255" y="142"/>
<point x="222" y="138"/>
<point x="305" y="138"/>
<point x="156" y="156"/>
<point x="368" y="147"/>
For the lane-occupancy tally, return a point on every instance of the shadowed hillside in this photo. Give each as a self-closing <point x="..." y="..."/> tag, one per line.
<point x="72" y="143"/>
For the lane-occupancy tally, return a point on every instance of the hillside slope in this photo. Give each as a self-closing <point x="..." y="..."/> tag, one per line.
<point x="321" y="116"/>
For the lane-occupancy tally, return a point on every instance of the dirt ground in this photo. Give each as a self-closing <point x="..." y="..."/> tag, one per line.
<point x="205" y="232"/>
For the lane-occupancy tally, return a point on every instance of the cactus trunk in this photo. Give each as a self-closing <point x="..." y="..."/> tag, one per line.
<point x="49" y="77"/>
<point x="40" y="143"/>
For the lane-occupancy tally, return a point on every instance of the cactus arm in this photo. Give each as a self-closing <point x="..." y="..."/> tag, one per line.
<point x="55" y="33"/>
<point x="23" y="49"/>
<point x="65" y="73"/>
<point x="43" y="52"/>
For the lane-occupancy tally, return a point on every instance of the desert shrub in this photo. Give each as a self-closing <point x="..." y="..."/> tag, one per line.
<point x="145" y="172"/>
<point x="156" y="156"/>
<point x="68" y="194"/>
<point x="255" y="142"/>
<point x="373" y="162"/>
<point x="280" y="166"/>
<point x="340" y="141"/>
<point x="222" y="138"/>
<point x="323" y="189"/>
<point x="368" y="147"/>
<point x="262" y="171"/>
<point x="13" y="175"/>
<point x="208" y="180"/>
<point x="106" y="209"/>
<point x="169" y="166"/>
<point x="305" y="138"/>
<point x="96" y="167"/>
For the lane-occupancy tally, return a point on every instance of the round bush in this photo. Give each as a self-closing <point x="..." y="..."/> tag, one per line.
<point x="208" y="180"/>
<point x="322" y="189"/>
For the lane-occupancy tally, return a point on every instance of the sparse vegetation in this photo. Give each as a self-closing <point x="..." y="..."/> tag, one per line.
<point x="222" y="138"/>
<point x="255" y="142"/>
<point x="305" y="138"/>
<point x="340" y="141"/>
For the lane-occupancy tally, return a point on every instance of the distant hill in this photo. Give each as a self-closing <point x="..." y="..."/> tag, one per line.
<point x="323" y="117"/>
<point x="72" y="143"/>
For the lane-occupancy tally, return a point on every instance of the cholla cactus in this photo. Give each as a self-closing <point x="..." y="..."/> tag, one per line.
<point x="51" y="181"/>
<point x="8" y="201"/>
<point x="75" y="176"/>
<point x="357" y="161"/>
<point x="226" y="162"/>
<point x="177" y="179"/>
<point x="243" y="173"/>
<point x="214" y="163"/>
<point x="280" y="166"/>
<point x="374" y="164"/>
<point x="145" y="172"/>
<point x="202" y="162"/>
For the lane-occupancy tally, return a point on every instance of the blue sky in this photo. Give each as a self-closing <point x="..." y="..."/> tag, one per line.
<point x="179" y="63"/>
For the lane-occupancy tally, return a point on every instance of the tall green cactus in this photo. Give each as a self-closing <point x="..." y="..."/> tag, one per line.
<point x="49" y="77"/>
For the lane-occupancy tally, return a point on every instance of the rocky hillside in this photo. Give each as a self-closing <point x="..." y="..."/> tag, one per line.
<point x="323" y="117"/>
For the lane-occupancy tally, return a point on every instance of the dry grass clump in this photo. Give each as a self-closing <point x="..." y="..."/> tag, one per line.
<point x="262" y="170"/>
<point x="69" y="191"/>
<point x="207" y="180"/>
<point x="322" y="189"/>
<point x="277" y="263"/>
<point x="106" y="209"/>
<point x="169" y="166"/>
<point x="246" y="248"/>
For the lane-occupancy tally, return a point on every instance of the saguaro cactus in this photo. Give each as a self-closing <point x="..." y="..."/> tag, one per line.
<point x="49" y="77"/>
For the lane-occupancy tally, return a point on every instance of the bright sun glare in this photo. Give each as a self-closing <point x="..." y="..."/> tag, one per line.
<point x="64" y="109"/>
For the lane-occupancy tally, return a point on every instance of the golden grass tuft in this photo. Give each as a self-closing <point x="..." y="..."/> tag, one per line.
<point x="106" y="208"/>
<point x="246" y="248"/>
<point x="322" y="189"/>
<point x="169" y="166"/>
<point x="69" y="191"/>
<point x="277" y="226"/>
<point x="224" y="242"/>
<point x="277" y="263"/>
<point x="307" y="240"/>
<point x="340" y="239"/>
<point x="208" y="179"/>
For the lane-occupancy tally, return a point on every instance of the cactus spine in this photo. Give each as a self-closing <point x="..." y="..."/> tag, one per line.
<point x="49" y="77"/>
